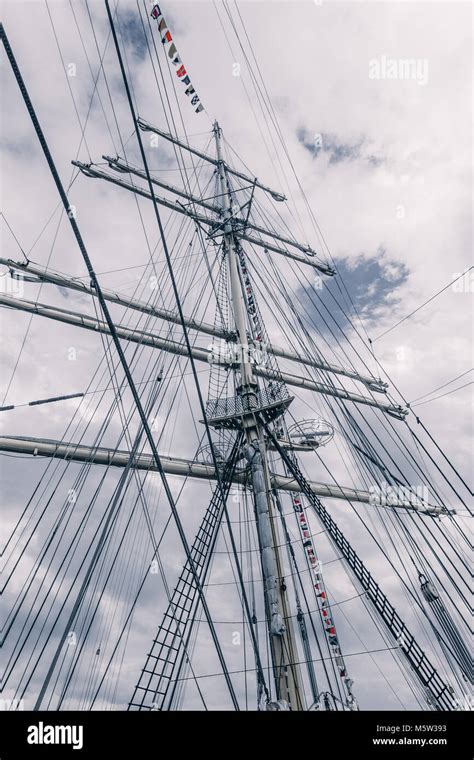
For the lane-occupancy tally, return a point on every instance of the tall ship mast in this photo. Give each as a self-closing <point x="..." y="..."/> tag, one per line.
<point x="187" y="540"/>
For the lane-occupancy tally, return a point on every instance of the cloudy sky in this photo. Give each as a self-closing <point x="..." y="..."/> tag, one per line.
<point x="385" y="163"/>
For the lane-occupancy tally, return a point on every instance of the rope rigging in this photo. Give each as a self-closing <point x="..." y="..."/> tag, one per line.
<point x="92" y="553"/>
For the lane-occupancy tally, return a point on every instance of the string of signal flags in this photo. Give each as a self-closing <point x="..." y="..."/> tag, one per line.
<point x="181" y="73"/>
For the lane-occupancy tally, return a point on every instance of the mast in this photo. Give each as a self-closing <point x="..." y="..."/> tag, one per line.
<point x="247" y="412"/>
<point x="280" y="626"/>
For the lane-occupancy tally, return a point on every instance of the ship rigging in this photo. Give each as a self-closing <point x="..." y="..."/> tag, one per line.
<point x="254" y="519"/>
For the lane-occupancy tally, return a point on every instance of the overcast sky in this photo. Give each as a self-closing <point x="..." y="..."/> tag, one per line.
<point x="384" y="161"/>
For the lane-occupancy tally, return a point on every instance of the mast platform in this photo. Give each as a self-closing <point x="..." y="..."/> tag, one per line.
<point x="228" y="413"/>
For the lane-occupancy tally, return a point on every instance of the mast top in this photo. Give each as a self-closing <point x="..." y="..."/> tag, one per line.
<point x="147" y="127"/>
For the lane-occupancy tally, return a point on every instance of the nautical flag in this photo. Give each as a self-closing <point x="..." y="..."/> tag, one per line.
<point x="175" y="59"/>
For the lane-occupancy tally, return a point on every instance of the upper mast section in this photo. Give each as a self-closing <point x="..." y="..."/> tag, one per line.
<point x="248" y="380"/>
<point x="146" y="127"/>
